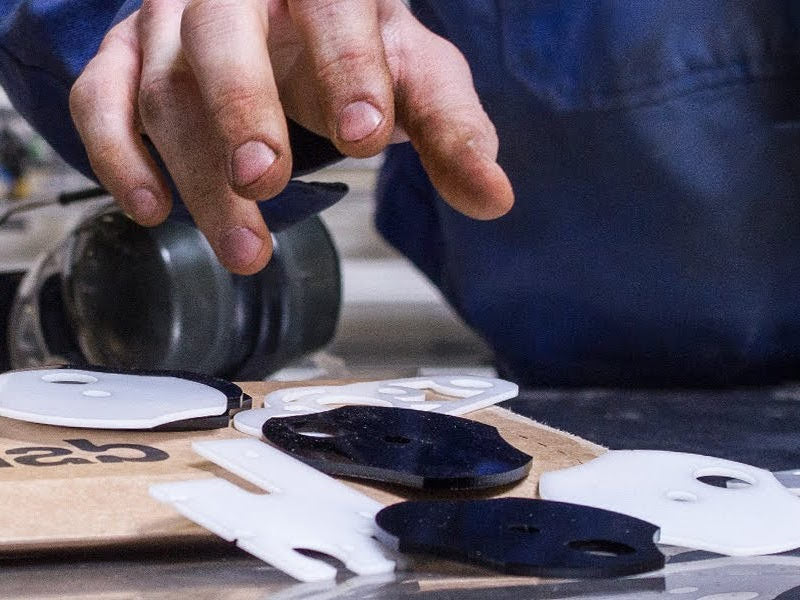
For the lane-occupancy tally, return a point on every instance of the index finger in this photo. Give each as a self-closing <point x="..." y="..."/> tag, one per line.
<point x="225" y="43"/>
<point x="175" y="121"/>
<point x="351" y="76"/>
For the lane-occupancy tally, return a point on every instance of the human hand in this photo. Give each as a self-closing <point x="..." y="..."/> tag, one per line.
<point x="212" y="82"/>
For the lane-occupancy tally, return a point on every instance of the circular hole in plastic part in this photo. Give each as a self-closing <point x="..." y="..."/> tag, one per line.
<point x="96" y="394"/>
<point x="678" y="496"/>
<point x="479" y="384"/>
<point x="396" y="439"/>
<point x="69" y="378"/>
<point x="601" y="548"/>
<point x="523" y="528"/>
<point x="724" y="478"/>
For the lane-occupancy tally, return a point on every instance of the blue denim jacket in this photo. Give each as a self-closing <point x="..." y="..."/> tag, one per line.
<point x="654" y="147"/>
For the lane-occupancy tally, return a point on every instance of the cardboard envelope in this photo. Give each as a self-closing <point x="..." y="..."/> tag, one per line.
<point x="80" y="488"/>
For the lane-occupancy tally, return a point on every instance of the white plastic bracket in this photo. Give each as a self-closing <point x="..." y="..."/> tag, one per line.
<point x="464" y="394"/>
<point x="305" y="509"/>
<point x="757" y="516"/>
<point x="98" y="399"/>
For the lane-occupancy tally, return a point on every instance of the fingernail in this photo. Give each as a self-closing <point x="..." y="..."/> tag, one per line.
<point x="143" y="204"/>
<point x="240" y="246"/>
<point x="358" y="120"/>
<point x="250" y="161"/>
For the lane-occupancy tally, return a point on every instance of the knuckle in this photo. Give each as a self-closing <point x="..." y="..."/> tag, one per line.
<point x="230" y="102"/>
<point x="449" y="54"/>
<point x="201" y="18"/>
<point x="337" y="71"/>
<point x="121" y="35"/>
<point x="151" y="98"/>
<point x="81" y="97"/>
<point x="318" y="10"/>
<point x="159" y="91"/>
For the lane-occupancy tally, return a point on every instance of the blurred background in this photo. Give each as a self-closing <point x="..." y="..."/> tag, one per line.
<point x="393" y="321"/>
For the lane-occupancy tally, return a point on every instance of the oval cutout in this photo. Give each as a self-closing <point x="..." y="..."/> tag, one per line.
<point x="69" y="378"/>
<point x="601" y="548"/>
<point x="724" y="478"/>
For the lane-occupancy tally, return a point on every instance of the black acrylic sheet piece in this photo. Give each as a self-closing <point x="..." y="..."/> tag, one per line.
<point x="400" y="446"/>
<point x="524" y="537"/>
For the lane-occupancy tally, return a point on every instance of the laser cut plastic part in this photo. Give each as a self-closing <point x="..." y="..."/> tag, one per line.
<point x="791" y="594"/>
<point x="104" y="399"/>
<point x="405" y="447"/>
<point x="305" y="509"/>
<point x="464" y="394"/>
<point x="685" y="495"/>
<point x="524" y="537"/>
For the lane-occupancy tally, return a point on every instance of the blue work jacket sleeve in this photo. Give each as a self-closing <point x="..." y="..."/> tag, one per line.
<point x="44" y="46"/>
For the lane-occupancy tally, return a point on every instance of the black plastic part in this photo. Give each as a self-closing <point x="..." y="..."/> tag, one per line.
<point x="237" y="399"/>
<point x="310" y="151"/>
<point x="524" y="537"/>
<point x="792" y="594"/>
<point x="400" y="446"/>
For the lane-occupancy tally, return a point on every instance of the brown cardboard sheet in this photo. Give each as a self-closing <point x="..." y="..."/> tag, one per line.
<point x="78" y="488"/>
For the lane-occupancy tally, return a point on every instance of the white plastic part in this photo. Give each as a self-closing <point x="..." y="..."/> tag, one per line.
<point x="464" y="394"/>
<point x="93" y="399"/>
<point x="664" y="488"/>
<point x="305" y="509"/>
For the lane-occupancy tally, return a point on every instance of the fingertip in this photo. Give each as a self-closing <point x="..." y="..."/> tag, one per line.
<point x="241" y="250"/>
<point x="492" y="196"/>
<point x="473" y="184"/>
<point x="258" y="171"/>
<point x="250" y="162"/>
<point x="363" y="129"/>
<point x="358" y="120"/>
<point x="146" y="206"/>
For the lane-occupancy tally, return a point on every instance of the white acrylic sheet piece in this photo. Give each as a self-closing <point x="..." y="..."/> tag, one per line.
<point x="305" y="509"/>
<point x="759" y="516"/>
<point x="464" y="394"/>
<point x="94" y="399"/>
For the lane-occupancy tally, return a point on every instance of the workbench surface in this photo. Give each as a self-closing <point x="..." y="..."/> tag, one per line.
<point x="758" y="426"/>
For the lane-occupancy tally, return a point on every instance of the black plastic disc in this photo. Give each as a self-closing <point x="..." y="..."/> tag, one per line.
<point x="524" y="537"/>
<point x="792" y="594"/>
<point x="401" y="446"/>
